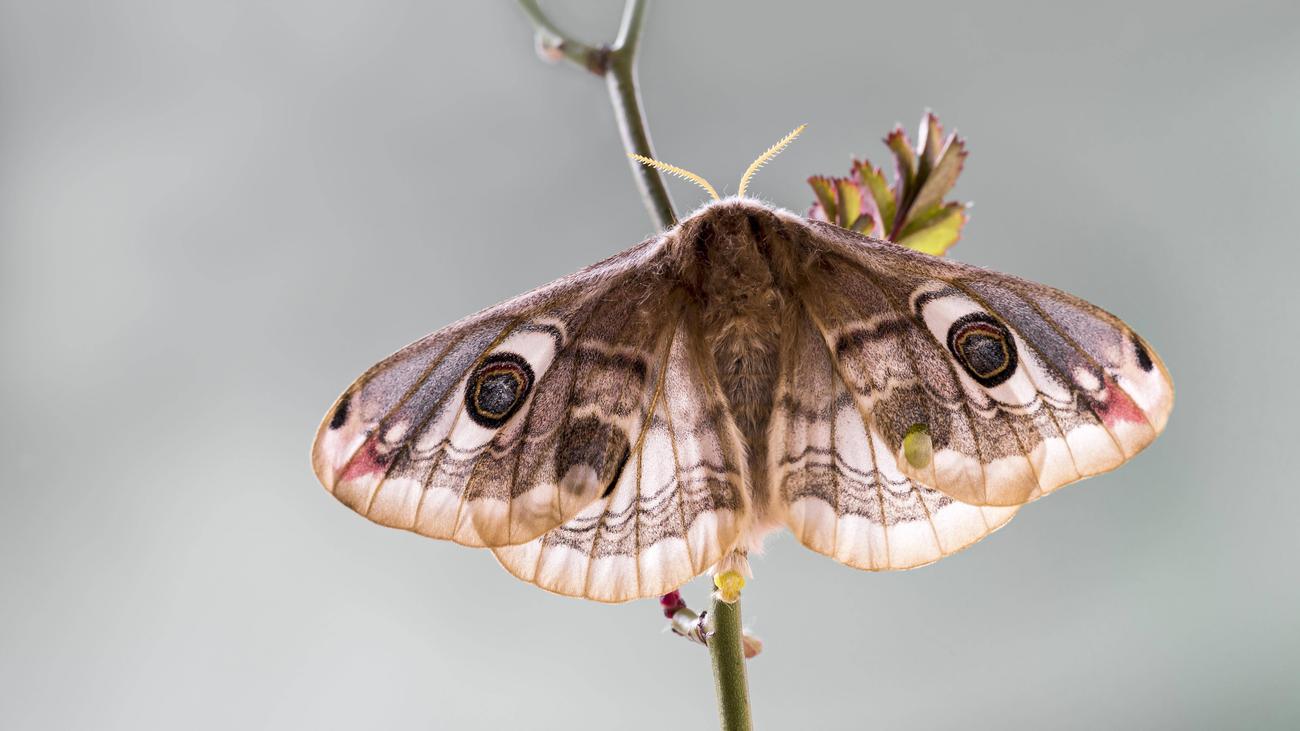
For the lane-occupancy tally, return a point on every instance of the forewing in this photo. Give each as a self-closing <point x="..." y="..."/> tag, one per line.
<point x="1020" y="388"/>
<point x="498" y="428"/>
<point x="679" y="504"/>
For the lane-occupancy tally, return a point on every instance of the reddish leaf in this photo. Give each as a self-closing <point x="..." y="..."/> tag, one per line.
<point x="865" y="224"/>
<point x="929" y="142"/>
<point x="885" y="206"/>
<point x="824" y="189"/>
<point x="904" y="162"/>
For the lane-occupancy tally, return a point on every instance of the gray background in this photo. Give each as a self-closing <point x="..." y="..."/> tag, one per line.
<point x="215" y="215"/>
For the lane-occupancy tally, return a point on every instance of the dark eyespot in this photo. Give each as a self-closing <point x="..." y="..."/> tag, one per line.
<point x="341" y="413"/>
<point x="1144" y="358"/>
<point x="497" y="389"/>
<point x="984" y="348"/>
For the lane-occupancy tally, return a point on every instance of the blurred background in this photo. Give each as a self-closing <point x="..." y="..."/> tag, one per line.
<point x="214" y="215"/>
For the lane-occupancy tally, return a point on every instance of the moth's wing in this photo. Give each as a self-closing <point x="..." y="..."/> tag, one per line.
<point x="500" y="427"/>
<point x="679" y="504"/>
<point x="836" y="482"/>
<point x="1021" y="388"/>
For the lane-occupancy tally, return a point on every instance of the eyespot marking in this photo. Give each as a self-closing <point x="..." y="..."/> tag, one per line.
<point x="497" y="389"/>
<point x="984" y="348"/>
<point x="341" y="413"/>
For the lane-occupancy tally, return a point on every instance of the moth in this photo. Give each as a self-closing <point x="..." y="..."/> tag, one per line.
<point x="616" y="433"/>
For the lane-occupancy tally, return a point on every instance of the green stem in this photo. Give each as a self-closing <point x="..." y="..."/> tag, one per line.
<point x="626" y="100"/>
<point x="617" y="65"/>
<point x="729" y="666"/>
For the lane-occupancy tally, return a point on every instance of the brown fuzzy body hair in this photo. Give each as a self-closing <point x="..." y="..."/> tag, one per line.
<point x="739" y="265"/>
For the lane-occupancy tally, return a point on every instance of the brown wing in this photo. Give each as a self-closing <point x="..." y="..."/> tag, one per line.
<point x="575" y="399"/>
<point x="1019" y="387"/>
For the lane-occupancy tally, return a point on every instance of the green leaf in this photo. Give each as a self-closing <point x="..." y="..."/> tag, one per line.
<point x="850" y="200"/>
<point x="939" y="232"/>
<point x="920" y="221"/>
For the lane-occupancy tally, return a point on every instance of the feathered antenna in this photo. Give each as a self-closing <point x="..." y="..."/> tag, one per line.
<point x="766" y="157"/>
<point x="679" y="172"/>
